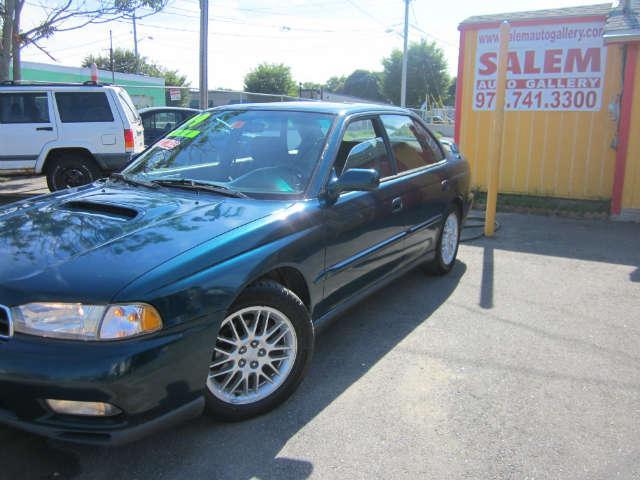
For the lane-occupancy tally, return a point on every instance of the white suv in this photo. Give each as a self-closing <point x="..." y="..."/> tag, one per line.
<point x="74" y="133"/>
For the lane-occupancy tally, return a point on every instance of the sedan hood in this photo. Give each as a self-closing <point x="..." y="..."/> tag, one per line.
<point x="86" y="245"/>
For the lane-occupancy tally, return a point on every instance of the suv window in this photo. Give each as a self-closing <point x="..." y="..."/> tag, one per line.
<point x="24" y="108"/>
<point x="81" y="107"/>
<point x="130" y="110"/>
<point x="359" y="131"/>
<point x="412" y="145"/>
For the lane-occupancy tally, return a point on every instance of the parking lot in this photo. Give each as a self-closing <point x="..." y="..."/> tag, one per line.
<point x="17" y="188"/>
<point x="522" y="363"/>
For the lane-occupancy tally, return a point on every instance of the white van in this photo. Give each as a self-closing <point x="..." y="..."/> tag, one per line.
<point x="73" y="133"/>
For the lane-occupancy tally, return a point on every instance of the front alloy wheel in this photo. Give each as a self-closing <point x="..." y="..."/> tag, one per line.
<point x="254" y="353"/>
<point x="262" y="351"/>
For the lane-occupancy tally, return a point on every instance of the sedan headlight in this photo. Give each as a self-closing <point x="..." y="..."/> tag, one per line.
<point x="85" y="322"/>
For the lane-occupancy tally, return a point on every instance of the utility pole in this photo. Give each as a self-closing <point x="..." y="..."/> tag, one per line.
<point x="113" y="75"/>
<point x="135" y="40"/>
<point x="403" y="87"/>
<point x="204" y="32"/>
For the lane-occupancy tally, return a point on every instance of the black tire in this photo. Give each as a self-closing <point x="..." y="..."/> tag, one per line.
<point x="270" y="294"/>
<point x="438" y="266"/>
<point x="71" y="170"/>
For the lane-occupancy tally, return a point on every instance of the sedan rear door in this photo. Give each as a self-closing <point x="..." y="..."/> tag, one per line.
<point x="422" y="171"/>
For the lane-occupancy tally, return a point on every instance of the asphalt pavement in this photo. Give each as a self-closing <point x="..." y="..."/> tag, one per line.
<point x="15" y="188"/>
<point x="523" y="363"/>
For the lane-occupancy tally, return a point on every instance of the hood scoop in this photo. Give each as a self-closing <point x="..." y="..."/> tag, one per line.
<point x="106" y="209"/>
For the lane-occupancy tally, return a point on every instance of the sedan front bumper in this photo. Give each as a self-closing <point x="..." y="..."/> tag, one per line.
<point x="156" y="381"/>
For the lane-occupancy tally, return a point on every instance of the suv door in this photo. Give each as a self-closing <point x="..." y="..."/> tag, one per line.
<point x="364" y="230"/>
<point x="26" y="126"/>
<point x="421" y="166"/>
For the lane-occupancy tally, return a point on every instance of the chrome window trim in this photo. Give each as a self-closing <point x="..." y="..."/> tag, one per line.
<point x="417" y="170"/>
<point x="10" y="320"/>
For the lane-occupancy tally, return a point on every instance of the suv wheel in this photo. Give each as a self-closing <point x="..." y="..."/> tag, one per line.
<point x="262" y="351"/>
<point x="71" y="170"/>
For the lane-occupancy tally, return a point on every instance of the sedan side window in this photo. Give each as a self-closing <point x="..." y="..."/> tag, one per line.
<point x="412" y="145"/>
<point x="165" y="121"/>
<point x="357" y="132"/>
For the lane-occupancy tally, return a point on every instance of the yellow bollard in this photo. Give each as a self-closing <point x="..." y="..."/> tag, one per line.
<point x="496" y="129"/>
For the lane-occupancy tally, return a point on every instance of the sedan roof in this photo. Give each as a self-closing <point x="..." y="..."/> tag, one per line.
<point x="318" y="107"/>
<point x="168" y="109"/>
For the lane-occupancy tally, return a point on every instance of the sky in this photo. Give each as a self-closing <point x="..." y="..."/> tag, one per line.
<point x="318" y="39"/>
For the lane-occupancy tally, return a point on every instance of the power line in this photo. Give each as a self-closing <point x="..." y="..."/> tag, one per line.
<point x="84" y="45"/>
<point x="266" y="25"/>
<point x="224" y="34"/>
<point x="362" y="10"/>
<point x="434" y="37"/>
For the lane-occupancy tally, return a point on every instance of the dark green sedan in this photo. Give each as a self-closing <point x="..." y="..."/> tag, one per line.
<point x="195" y="280"/>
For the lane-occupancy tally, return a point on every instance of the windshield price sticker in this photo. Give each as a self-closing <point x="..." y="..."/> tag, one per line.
<point x="549" y="67"/>
<point x="168" y="143"/>
<point x="198" y="119"/>
<point x="184" y="133"/>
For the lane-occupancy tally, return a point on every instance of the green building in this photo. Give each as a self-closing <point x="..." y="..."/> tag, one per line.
<point x="144" y="91"/>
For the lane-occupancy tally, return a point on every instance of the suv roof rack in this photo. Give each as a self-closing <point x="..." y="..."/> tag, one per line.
<point x="21" y="83"/>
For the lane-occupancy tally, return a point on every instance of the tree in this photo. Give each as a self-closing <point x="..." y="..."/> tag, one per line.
<point x="270" y="78"/>
<point x="124" y="61"/>
<point x="62" y="16"/>
<point x="364" y="84"/>
<point x="426" y="74"/>
<point x="335" y="84"/>
<point x="311" y="86"/>
<point x="309" y="90"/>
<point x="451" y="92"/>
<point x="172" y="78"/>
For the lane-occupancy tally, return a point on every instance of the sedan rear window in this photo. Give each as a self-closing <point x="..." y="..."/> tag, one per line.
<point x="81" y="107"/>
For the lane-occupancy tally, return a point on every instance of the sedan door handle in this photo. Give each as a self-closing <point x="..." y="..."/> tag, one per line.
<point x="48" y="129"/>
<point x="396" y="204"/>
<point x="445" y="185"/>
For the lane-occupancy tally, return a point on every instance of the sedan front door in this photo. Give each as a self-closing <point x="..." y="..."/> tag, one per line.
<point x="364" y="230"/>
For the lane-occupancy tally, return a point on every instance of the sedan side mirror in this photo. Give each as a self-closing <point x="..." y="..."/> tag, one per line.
<point x="354" y="179"/>
<point x="365" y="153"/>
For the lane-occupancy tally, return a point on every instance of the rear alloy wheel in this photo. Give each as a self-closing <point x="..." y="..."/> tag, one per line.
<point x="448" y="242"/>
<point x="262" y="350"/>
<point x="71" y="170"/>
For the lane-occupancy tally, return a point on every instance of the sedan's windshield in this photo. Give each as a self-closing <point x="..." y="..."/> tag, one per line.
<point x="251" y="151"/>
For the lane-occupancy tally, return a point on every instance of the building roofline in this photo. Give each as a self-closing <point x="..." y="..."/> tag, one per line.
<point x="52" y="67"/>
<point x="585" y="13"/>
<point x="625" y="36"/>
